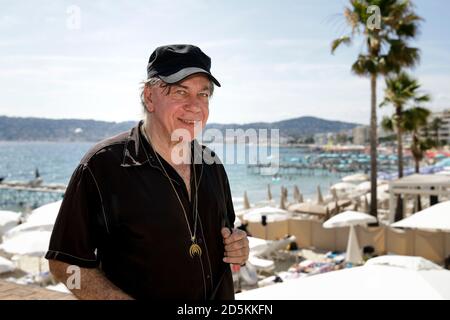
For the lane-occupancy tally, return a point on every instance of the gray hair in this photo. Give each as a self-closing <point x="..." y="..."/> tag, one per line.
<point x="148" y="83"/>
<point x="157" y="81"/>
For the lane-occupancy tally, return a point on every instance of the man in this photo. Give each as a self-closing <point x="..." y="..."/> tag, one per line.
<point x="147" y="214"/>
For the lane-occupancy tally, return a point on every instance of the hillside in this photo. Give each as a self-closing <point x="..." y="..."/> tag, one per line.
<point x="41" y="129"/>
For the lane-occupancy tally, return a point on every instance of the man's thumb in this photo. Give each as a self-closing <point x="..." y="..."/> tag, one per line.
<point x="225" y="232"/>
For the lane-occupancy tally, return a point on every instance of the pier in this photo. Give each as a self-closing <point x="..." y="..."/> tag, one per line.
<point x="16" y="194"/>
<point x="290" y="169"/>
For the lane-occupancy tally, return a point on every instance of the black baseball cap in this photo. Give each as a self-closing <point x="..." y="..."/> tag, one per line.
<point x="173" y="63"/>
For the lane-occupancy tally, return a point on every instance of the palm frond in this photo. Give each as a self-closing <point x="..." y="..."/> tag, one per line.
<point x="424" y="98"/>
<point x="401" y="55"/>
<point x="387" y="124"/>
<point x="337" y="42"/>
<point x="364" y="66"/>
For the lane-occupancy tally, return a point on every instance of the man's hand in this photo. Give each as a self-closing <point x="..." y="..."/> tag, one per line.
<point x="236" y="246"/>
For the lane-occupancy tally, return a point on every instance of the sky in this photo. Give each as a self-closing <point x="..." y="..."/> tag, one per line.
<point x="86" y="59"/>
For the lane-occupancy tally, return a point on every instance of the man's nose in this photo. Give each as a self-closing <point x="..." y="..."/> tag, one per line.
<point x="194" y="104"/>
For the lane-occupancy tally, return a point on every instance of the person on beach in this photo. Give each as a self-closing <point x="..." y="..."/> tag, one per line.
<point x="148" y="213"/>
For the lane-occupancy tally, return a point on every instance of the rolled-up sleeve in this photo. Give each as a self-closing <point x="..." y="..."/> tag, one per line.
<point x="229" y="201"/>
<point x="76" y="232"/>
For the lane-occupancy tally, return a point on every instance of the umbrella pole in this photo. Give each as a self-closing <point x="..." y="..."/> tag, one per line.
<point x="444" y="238"/>
<point x="352" y="246"/>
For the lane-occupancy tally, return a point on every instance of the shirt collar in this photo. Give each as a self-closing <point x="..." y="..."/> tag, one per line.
<point x="134" y="153"/>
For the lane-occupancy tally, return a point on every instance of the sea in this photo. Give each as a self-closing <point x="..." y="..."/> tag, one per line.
<point x="56" y="161"/>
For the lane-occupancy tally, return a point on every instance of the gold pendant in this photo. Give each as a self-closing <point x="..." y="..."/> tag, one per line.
<point x="195" y="249"/>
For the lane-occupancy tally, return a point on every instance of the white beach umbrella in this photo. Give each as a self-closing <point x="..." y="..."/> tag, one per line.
<point x="258" y="246"/>
<point x="246" y="202"/>
<point x="350" y="219"/>
<point x="359" y="177"/>
<point x="300" y="198"/>
<point x="297" y="195"/>
<point x="319" y="196"/>
<point x="434" y="218"/>
<point x="343" y="187"/>
<point x="408" y="262"/>
<point x="309" y="208"/>
<point x="40" y="219"/>
<point x="8" y="219"/>
<point x="283" y="198"/>
<point x="382" y="192"/>
<point x="6" y="265"/>
<point x="7" y="216"/>
<point x="45" y="214"/>
<point x="265" y="248"/>
<point x="363" y="187"/>
<point x="378" y="281"/>
<point x="255" y="243"/>
<point x="31" y="243"/>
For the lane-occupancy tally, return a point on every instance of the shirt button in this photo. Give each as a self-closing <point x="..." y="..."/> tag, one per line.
<point x="208" y="276"/>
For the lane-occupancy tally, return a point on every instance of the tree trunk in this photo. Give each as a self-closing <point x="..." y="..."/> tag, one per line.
<point x="417" y="158"/>
<point x="398" y="113"/>
<point x="419" y="202"/>
<point x="438" y="143"/>
<point x="373" y="146"/>
<point x="399" y="209"/>
<point x="416" y="150"/>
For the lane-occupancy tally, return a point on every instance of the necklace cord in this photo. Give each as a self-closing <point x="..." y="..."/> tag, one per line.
<point x="192" y="235"/>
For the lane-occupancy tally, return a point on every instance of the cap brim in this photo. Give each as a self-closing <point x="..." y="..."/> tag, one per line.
<point x="186" y="72"/>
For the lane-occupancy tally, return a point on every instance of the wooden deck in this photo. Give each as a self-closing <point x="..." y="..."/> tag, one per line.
<point x="12" y="291"/>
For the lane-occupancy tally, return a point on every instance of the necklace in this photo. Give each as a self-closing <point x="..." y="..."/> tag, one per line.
<point x="194" y="248"/>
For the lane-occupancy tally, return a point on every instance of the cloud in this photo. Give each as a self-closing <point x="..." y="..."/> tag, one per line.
<point x="273" y="61"/>
<point x="69" y="59"/>
<point x="9" y="21"/>
<point x="222" y="43"/>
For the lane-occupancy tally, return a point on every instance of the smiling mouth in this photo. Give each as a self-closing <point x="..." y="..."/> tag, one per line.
<point x="189" y="122"/>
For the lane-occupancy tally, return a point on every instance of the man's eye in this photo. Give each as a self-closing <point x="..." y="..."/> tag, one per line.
<point x="181" y="92"/>
<point x="204" y="94"/>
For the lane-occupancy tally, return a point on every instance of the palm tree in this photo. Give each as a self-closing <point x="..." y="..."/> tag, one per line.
<point x="385" y="50"/>
<point x="402" y="89"/>
<point x="414" y="119"/>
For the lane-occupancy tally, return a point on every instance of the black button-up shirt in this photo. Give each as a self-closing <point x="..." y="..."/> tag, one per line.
<point x="121" y="214"/>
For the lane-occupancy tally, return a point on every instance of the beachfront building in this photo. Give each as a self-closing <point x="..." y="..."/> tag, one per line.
<point x="321" y="138"/>
<point x="444" y="129"/>
<point x="361" y="135"/>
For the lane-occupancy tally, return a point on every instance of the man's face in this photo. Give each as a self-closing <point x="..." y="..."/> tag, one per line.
<point x="181" y="107"/>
